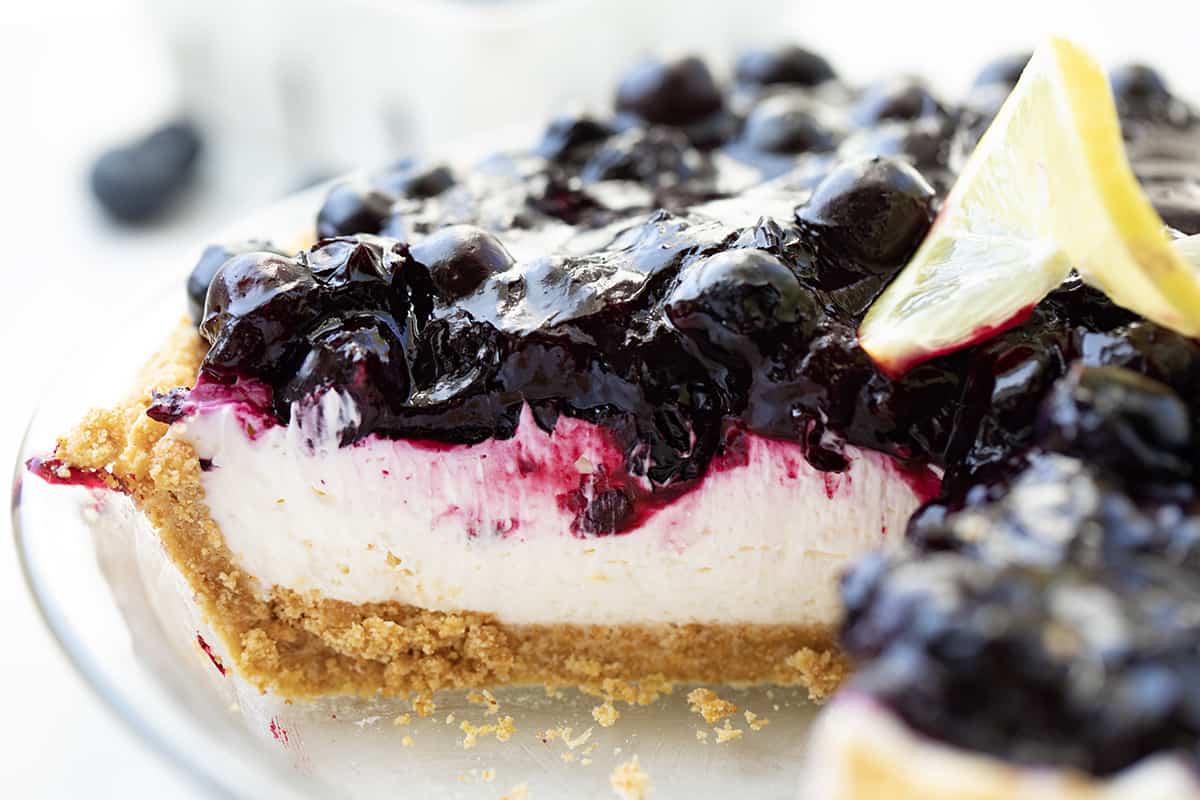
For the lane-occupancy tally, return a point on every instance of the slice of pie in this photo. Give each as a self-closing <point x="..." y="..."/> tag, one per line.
<point x="594" y="413"/>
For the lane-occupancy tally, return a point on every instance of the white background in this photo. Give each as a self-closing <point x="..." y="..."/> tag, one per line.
<point x="75" y="75"/>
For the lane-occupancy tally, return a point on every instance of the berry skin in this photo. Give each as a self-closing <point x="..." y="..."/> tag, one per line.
<point x="654" y="156"/>
<point x="875" y="211"/>
<point x="724" y="298"/>
<point x="787" y="65"/>
<point x="785" y="124"/>
<point x="899" y="98"/>
<point x="349" y="209"/>
<point x="1005" y="70"/>
<point x="1131" y="426"/>
<point x="569" y="138"/>
<point x="137" y="181"/>
<point x="410" y="178"/>
<point x="361" y="356"/>
<point x="256" y="306"/>
<point x="669" y="92"/>
<point x="206" y="267"/>
<point x="460" y="258"/>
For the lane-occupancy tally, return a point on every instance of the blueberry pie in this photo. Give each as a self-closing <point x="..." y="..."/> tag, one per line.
<point x="618" y="410"/>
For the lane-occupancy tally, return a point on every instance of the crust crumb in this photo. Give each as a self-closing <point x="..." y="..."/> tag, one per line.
<point x="728" y="733"/>
<point x="629" y="781"/>
<point x="822" y="672"/>
<point x="518" y="792"/>
<point x="606" y="714"/>
<point x="503" y="730"/>
<point x="756" y="722"/>
<point x="407" y="741"/>
<point x="403" y="719"/>
<point x="707" y="704"/>
<point x="424" y="706"/>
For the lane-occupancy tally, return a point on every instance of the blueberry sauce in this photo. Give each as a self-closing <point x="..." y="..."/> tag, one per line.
<point x="54" y="471"/>
<point x="636" y="272"/>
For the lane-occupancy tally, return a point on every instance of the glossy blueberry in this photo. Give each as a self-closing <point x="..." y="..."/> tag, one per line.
<point x="137" y="181"/>
<point x="873" y="210"/>
<point x="1005" y="70"/>
<point x="608" y="512"/>
<point x="655" y="156"/>
<point x="206" y="267"/>
<point x="898" y="98"/>
<point x="412" y="178"/>
<point x="785" y="124"/>
<point x="669" y="92"/>
<point x="349" y="209"/>
<point x="257" y="305"/>
<point x="922" y="142"/>
<point x="569" y="137"/>
<point x="361" y="356"/>
<point x="1117" y="420"/>
<point x="789" y="64"/>
<point x="460" y="258"/>
<point x="736" y="293"/>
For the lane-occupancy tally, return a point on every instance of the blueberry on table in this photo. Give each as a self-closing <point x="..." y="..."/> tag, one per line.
<point x="669" y="92"/>
<point x="873" y="210"/>
<point x="349" y="209"/>
<point x="785" y="124"/>
<point x="138" y="180"/>
<point x="460" y="258"/>
<point x="787" y="65"/>
<point x="211" y="260"/>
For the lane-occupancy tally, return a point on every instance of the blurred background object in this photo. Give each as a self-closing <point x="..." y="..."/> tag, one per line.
<point x="279" y="93"/>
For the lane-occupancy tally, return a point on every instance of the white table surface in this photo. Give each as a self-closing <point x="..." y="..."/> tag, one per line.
<point x="72" y="76"/>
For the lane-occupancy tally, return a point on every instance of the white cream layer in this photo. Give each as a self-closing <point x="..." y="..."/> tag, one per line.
<point x="469" y="528"/>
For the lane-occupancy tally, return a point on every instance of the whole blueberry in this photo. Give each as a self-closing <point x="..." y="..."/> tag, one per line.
<point x="1005" y="70"/>
<point x="572" y="135"/>
<point x="460" y="258"/>
<point x="898" y="98"/>
<point x="350" y="208"/>
<point x="257" y="305"/>
<point x="1142" y="93"/>
<point x="669" y="92"/>
<point x="874" y="210"/>
<point x="785" y="124"/>
<point x="362" y="356"/>
<point x="655" y="156"/>
<point x="136" y="181"/>
<point x="416" y="179"/>
<point x="721" y="299"/>
<point x="789" y="64"/>
<point x="1120" y="421"/>
<point x="210" y="261"/>
<point x="922" y="142"/>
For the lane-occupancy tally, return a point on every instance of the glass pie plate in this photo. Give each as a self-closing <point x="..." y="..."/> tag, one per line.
<point x="127" y="621"/>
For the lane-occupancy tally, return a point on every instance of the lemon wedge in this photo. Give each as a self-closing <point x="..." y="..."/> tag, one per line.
<point x="1047" y="189"/>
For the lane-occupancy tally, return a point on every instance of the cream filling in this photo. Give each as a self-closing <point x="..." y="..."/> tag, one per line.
<point x="482" y="527"/>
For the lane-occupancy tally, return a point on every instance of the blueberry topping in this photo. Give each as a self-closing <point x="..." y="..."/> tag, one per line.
<point x="411" y="178"/>
<point x="902" y="98"/>
<point x="349" y="209"/>
<point x="790" y="65"/>
<point x="669" y="92"/>
<point x="256" y="304"/>
<point x="875" y="211"/>
<point x="137" y="181"/>
<point x="569" y="138"/>
<point x="460" y="258"/>
<point x="1120" y="422"/>
<point x="785" y="124"/>
<point x="655" y="156"/>
<point x="360" y="356"/>
<point x="1005" y="70"/>
<point x="206" y="267"/>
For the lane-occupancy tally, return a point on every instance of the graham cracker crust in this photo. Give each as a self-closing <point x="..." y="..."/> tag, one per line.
<point x="305" y="645"/>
